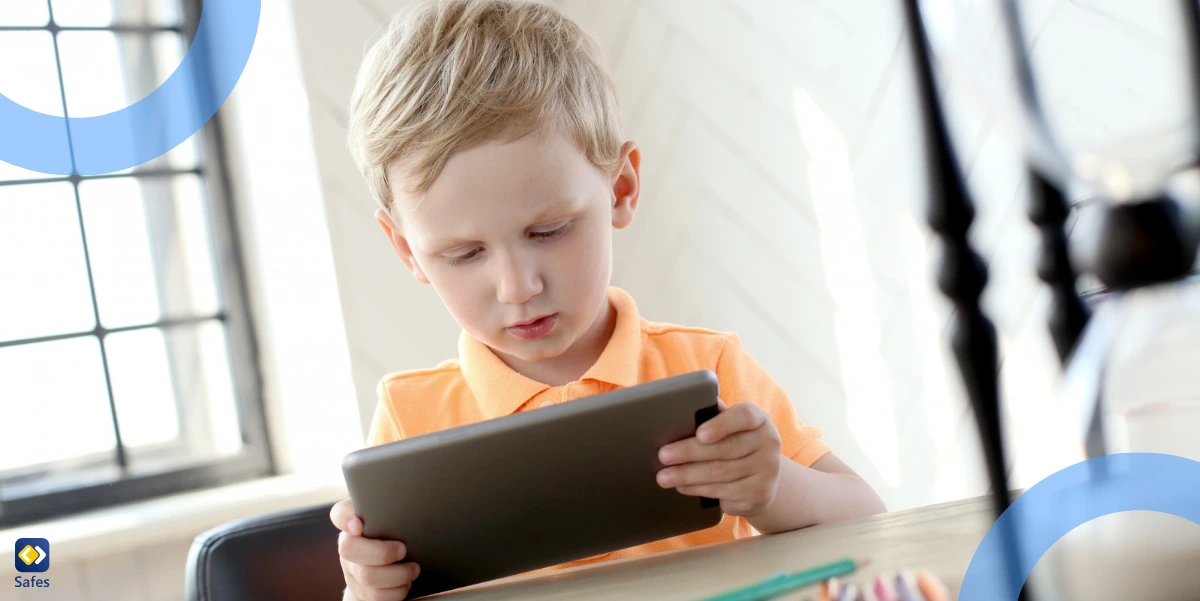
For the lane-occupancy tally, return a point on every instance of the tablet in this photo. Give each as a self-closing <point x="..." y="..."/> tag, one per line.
<point x="535" y="489"/>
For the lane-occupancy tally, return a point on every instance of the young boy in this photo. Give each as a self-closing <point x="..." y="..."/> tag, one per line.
<point x="488" y="132"/>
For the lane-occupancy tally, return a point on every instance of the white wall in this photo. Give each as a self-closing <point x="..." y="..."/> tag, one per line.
<point x="783" y="201"/>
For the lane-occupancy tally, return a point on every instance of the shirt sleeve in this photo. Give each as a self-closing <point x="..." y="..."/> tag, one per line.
<point x="742" y="379"/>
<point x="384" y="428"/>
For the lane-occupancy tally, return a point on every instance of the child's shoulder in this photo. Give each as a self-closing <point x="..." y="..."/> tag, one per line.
<point x="702" y="345"/>
<point x="662" y="328"/>
<point x="439" y="376"/>
<point x="680" y="334"/>
<point x="425" y="400"/>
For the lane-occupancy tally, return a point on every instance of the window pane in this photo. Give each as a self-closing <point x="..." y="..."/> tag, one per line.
<point x="150" y="248"/>
<point x="141" y="383"/>
<point x="29" y="77"/>
<point x="55" y="402"/>
<point x="101" y="13"/>
<point x="104" y="72"/>
<point x="174" y="394"/>
<point x="41" y="263"/>
<point x="23" y="12"/>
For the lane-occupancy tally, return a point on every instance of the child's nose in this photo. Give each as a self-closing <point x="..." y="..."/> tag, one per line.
<point x="518" y="281"/>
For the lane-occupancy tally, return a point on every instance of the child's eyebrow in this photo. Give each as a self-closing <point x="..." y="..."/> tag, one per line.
<point x="557" y="209"/>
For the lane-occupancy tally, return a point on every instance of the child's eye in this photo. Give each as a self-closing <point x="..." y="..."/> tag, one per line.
<point x="551" y="234"/>
<point x="463" y="258"/>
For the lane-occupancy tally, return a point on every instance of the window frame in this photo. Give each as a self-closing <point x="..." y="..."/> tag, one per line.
<point x="56" y="497"/>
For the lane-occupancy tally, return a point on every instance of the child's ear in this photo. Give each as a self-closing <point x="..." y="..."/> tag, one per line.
<point x="627" y="185"/>
<point x="400" y="244"/>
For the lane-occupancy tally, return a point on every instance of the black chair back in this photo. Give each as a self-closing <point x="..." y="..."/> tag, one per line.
<point x="283" y="556"/>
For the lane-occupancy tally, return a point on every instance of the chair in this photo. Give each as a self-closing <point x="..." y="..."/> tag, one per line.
<point x="287" y="555"/>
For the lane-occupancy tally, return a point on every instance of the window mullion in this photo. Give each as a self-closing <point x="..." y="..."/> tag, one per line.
<point x="121" y="458"/>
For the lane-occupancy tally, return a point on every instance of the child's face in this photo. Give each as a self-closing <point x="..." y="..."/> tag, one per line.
<point x="510" y="233"/>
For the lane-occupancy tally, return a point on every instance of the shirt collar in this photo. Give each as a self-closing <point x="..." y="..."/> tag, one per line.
<point x="500" y="390"/>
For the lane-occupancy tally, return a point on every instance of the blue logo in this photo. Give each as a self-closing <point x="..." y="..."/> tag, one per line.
<point x="152" y="126"/>
<point x="32" y="555"/>
<point x="1070" y="498"/>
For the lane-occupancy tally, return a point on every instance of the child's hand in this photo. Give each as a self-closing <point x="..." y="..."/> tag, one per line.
<point x="735" y="457"/>
<point x="369" y="565"/>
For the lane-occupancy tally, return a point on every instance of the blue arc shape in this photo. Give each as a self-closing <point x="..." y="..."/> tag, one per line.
<point x="150" y="127"/>
<point x="1070" y="498"/>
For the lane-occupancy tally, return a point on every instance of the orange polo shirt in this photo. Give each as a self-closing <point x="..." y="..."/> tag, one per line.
<point x="479" y="386"/>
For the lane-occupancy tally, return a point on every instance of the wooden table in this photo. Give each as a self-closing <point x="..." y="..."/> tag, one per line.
<point x="940" y="538"/>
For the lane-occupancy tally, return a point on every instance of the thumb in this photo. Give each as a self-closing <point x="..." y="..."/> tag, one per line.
<point x="343" y="517"/>
<point x="545" y="404"/>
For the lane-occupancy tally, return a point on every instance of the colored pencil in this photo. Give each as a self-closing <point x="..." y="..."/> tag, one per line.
<point x="779" y="584"/>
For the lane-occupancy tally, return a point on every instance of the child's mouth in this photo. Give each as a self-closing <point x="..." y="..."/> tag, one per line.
<point x="535" y="329"/>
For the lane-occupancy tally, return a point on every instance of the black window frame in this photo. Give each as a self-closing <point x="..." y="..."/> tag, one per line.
<point x="123" y="483"/>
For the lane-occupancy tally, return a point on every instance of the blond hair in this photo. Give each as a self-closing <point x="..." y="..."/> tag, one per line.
<point x="455" y="73"/>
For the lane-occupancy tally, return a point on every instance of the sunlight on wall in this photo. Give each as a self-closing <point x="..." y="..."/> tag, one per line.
<point x="869" y="407"/>
<point x="310" y="394"/>
<point x="944" y="413"/>
<point x="1036" y="418"/>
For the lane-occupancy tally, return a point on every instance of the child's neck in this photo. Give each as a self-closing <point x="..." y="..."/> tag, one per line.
<point x="577" y="360"/>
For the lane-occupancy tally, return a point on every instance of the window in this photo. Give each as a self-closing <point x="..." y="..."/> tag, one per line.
<point x="127" y="363"/>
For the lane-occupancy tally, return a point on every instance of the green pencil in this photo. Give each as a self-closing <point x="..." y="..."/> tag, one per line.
<point x="782" y="583"/>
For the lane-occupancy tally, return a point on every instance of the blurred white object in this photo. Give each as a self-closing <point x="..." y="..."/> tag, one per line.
<point x="1107" y="104"/>
<point x="1140" y="358"/>
<point x="1151" y="387"/>
<point x="1114" y="106"/>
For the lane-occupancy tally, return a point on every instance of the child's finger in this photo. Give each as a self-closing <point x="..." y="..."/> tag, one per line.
<point x="357" y="591"/>
<point x="368" y="551"/>
<point x="389" y="576"/>
<point x="706" y="472"/>
<point x="739" y="418"/>
<point x="342" y="515"/>
<point x="723" y="491"/>
<point x="691" y="450"/>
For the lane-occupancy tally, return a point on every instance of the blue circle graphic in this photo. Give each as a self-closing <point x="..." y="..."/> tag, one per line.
<point x="150" y="127"/>
<point x="1070" y="498"/>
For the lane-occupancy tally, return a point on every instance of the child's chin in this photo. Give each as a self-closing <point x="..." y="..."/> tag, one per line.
<point x="542" y="349"/>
